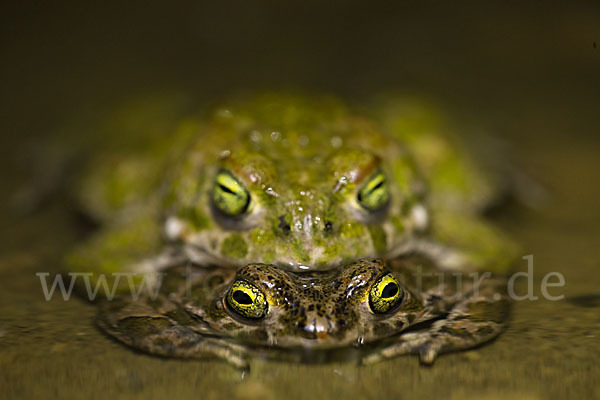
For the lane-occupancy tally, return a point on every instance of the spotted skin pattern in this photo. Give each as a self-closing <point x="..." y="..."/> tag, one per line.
<point x="317" y="312"/>
<point x="287" y="192"/>
<point x="305" y="183"/>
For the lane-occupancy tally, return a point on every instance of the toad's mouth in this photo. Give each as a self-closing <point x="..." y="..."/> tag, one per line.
<point x="331" y="353"/>
<point x="308" y="341"/>
<point x="201" y="251"/>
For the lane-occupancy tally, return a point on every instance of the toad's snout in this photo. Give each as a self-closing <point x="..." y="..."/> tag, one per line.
<point x="319" y="328"/>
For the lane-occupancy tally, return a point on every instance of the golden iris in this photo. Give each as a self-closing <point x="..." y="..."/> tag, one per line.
<point x="385" y="295"/>
<point x="375" y="194"/>
<point x="229" y="195"/>
<point x="246" y="300"/>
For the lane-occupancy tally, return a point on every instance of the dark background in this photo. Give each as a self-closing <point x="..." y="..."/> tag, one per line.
<point x="528" y="73"/>
<point x="500" y="58"/>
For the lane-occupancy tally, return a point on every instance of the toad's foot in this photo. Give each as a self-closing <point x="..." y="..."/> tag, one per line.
<point x="169" y="334"/>
<point x="475" y="320"/>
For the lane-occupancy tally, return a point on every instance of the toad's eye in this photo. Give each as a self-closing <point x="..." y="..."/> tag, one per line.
<point x="375" y="194"/>
<point x="385" y="295"/>
<point x="229" y="195"/>
<point x="246" y="300"/>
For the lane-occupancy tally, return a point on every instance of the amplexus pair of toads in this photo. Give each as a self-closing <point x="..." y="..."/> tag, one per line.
<point x="302" y="217"/>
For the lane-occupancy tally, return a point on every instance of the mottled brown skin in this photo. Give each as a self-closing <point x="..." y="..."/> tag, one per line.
<point x="315" y="312"/>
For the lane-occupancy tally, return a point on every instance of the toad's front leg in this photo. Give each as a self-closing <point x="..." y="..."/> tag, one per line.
<point x="166" y="331"/>
<point x="476" y="319"/>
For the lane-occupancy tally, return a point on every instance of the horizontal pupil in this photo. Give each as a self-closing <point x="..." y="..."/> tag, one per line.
<point x="379" y="184"/>
<point x="390" y="290"/>
<point x="241" y="297"/>
<point x="226" y="189"/>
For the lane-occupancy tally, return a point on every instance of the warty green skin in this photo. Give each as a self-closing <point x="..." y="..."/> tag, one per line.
<point x="303" y="161"/>
<point x="310" y="315"/>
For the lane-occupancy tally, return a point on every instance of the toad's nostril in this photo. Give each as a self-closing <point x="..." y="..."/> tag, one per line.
<point x="283" y="225"/>
<point x="310" y="328"/>
<point x="322" y="335"/>
<point x="321" y="328"/>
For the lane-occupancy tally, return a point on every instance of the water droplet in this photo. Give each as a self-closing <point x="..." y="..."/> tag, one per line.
<point x="303" y="141"/>
<point x="223" y="113"/>
<point x="224" y="154"/>
<point x="271" y="192"/>
<point x="255" y="136"/>
<point x="336" y="142"/>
